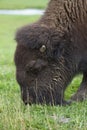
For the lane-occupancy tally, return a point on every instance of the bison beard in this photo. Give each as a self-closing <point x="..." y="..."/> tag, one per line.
<point x="51" y="52"/>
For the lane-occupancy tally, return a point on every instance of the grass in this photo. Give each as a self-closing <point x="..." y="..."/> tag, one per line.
<point x="13" y="114"/>
<point x="22" y="4"/>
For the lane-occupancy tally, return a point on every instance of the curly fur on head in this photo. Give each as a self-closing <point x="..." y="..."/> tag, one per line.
<point x="45" y="74"/>
<point x="34" y="36"/>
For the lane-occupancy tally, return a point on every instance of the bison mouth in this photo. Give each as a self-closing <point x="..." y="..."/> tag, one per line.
<point x="37" y="94"/>
<point x="45" y="88"/>
<point x="48" y="94"/>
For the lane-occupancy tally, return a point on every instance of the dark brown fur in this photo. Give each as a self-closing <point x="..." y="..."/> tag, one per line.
<point x="43" y="77"/>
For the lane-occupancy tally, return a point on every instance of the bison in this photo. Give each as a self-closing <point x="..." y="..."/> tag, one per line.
<point x="51" y="51"/>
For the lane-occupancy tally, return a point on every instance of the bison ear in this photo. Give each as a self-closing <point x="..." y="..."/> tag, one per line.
<point x="59" y="43"/>
<point x="55" y="52"/>
<point x="58" y="51"/>
<point x="62" y="46"/>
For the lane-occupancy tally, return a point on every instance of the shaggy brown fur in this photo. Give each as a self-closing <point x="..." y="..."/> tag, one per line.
<point x="51" y="52"/>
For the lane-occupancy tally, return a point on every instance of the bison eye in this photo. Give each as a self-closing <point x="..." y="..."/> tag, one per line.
<point x="43" y="49"/>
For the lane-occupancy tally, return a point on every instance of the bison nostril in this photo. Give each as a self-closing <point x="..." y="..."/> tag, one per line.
<point x="25" y="102"/>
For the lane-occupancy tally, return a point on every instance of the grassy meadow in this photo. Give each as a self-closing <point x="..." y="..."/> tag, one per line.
<point x="13" y="114"/>
<point x="22" y="4"/>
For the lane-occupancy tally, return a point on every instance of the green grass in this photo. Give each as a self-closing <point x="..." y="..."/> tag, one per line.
<point x="13" y="114"/>
<point x="22" y="4"/>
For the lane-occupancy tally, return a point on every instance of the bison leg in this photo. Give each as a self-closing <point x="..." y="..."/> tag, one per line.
<point x="81" y="93"/>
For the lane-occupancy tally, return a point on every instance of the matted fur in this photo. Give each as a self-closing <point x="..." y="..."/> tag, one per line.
<point x="44" y="76"/>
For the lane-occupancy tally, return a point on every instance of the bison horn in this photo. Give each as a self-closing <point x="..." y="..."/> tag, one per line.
<point x="43" y="48"/>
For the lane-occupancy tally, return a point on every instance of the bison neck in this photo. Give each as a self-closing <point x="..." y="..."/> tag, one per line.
<point x="54" y="15"/>
<point x="61" y="13"/>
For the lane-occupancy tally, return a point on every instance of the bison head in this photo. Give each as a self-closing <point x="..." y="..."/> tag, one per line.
<point x="41" y="66"/>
